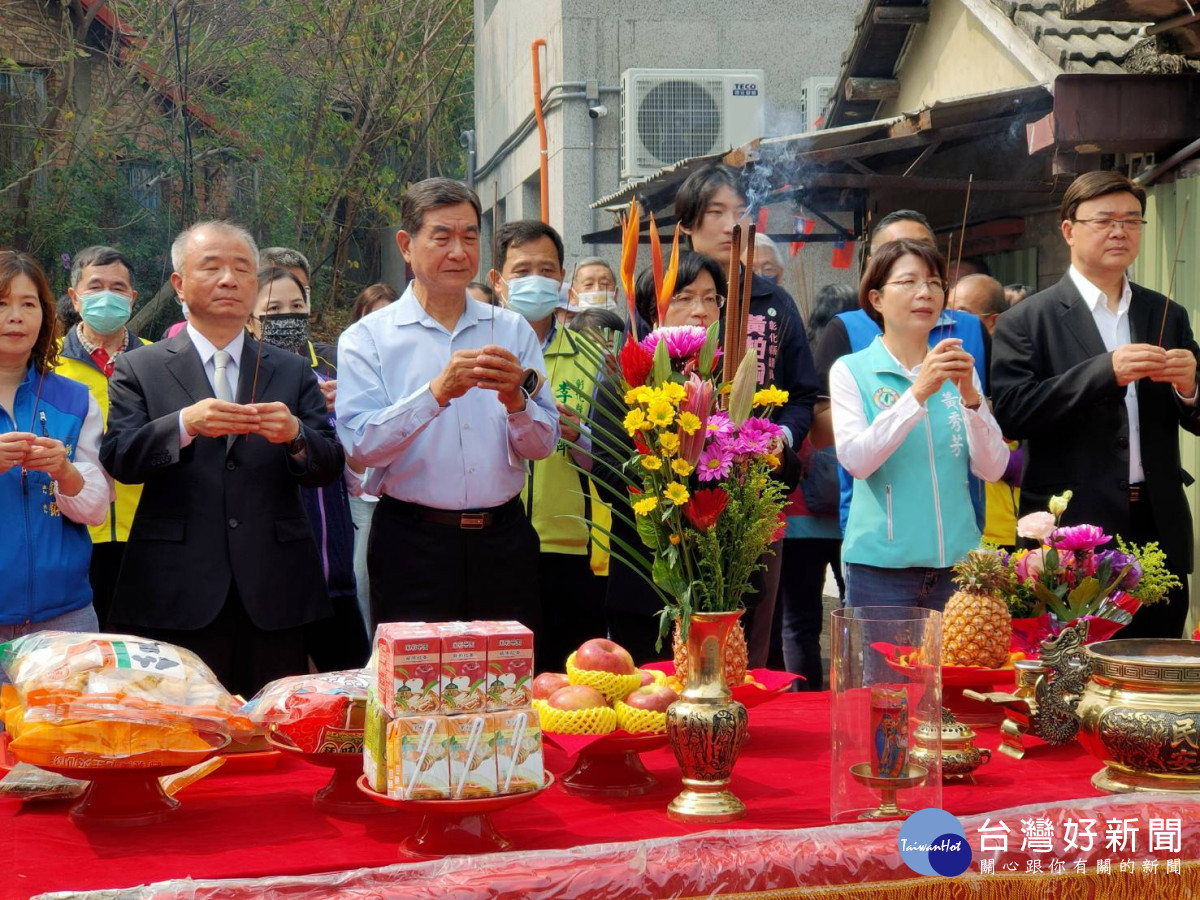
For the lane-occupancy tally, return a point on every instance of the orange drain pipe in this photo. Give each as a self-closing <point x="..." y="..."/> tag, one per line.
<point x="543" y="156"/>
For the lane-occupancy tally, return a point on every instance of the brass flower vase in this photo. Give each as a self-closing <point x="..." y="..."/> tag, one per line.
<point x="706" y="726"/>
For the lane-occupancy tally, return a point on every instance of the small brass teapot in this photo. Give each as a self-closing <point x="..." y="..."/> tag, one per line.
<point x="960" y="756"/>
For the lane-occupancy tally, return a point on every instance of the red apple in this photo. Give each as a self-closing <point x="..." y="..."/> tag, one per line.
<point x="647" y="677"/>
<point x="656" y="697"/>
<point x="576" y="696"/>
<point x="547" y="683"/>
<point x="603" y="655"/>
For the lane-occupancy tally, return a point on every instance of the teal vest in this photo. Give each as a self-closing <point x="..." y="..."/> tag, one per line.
<point x="915" y="510"/>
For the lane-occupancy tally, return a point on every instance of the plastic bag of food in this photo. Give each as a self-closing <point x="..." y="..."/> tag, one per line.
<point x="323" y="713"/>
<point x="95" y="697"/>
<point x="26" y="782"/>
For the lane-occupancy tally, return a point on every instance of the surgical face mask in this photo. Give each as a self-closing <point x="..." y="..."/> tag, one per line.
<point x="534" y="297"/>
<point x="105" y="312"/>
<point x="288" y="331"/>
<point x="183" y="307"/>
<point x="597" y="300"/>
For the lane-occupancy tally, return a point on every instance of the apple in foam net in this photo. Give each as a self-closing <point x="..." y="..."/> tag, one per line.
<point x="547" y="683"/>
<point x="654" y="697"/>
<point x="603" y="655"/>
<point x="647" y="677"/>
<point x="576" y="696"/>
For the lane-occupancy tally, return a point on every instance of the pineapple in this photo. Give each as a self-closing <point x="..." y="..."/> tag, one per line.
<point x="976" y="624"/>
<point x="735" y="656"/>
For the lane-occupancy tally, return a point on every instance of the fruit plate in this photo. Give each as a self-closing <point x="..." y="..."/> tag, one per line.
<point x="454" y="827"/>
<point x="607" y="765"/>
<point x="340" y="796"/>
<point x="956" y="679"/>
<point x="748" y="694"/>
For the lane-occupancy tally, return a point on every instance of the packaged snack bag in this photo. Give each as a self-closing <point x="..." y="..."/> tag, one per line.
<point x="408" y="657"/>
<point x="472" y="756"/>
<point x="323" y="713"/>
<point x="463" y="667"/>
<point x="418" y="765"/>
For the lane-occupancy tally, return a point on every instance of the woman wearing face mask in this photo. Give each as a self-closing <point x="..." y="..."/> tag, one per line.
<point x="340" y="642"/>
<point x="51" y="482"/>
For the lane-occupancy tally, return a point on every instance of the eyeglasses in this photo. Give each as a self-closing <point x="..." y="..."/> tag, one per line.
<point x="909" y="286"/>
<point x="1105" y="223"/>
<point x="680" y="301"/>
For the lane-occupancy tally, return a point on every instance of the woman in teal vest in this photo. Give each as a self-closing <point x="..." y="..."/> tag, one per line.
<point x="910" y="424"/>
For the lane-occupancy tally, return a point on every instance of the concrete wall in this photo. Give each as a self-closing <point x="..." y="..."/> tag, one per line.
<point x="597" y="40"/>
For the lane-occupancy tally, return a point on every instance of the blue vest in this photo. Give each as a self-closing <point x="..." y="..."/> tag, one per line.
<point x="861" y="330"/>
<point x="915" y="509"/>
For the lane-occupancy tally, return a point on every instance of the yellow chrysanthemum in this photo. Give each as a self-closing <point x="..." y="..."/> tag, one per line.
<point x="651" y="463"/>
<point x="676" y="493"/>
<point x="772" y="461"/>
<point x="668" y="443"/>
<point x="641" y="394"/>
<point x="634" y="420"/>
<point x="682" y="468"/>
<point x="660" y="413"/>
<point x="674" y="391"/>
<point x="689" y="423"/>
<point x="645" y="507"/>
<point x="771" y="396"/>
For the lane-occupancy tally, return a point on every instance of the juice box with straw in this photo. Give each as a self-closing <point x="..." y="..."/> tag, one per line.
<point x="472" y="756"/>
<point x="375" y="735"/>
<point x="418" y="765"/>
<point x="463" y="667"/>
<point x="509" y="664"/>
<point x="519" y="765"/>
<point x="408" y="660"/>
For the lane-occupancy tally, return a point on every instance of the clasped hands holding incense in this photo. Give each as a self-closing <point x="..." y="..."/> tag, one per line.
<point x="1132" y="362"/>
<point x="490" y="367"/>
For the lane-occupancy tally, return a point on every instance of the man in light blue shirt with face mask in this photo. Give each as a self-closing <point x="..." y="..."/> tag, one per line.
<point x="444" y="400"/>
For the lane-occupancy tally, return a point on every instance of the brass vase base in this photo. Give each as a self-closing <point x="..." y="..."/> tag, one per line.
<point x="1114" y="780"/>
<point x="888" y="787"/>
<point x="705" y="806"/>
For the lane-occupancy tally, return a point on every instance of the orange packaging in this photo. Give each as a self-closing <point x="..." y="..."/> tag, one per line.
<point x="509" y="664"/>
<point x="472" y="756"/>
<point x="519" y="764"/>
<point x="418" y="764"/>
<point x="408" y="663"/>
<point x="463" y="667"/>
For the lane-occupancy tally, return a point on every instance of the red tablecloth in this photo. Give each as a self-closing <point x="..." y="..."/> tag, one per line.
<point x="264" y="824"/>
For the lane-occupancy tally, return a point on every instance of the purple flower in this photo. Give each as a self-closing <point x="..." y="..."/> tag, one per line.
<point x="719" y="426"/>
<point x="755" y="436"/>
<point x="715" y="462"/>
<point x="1079" y="537"/>
<point x="66" y="261"/>
<point x="1119" y="561"/>
<point x="683" y="341"/>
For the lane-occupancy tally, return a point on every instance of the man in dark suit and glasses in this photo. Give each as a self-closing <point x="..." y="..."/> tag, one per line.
<point x="1079" y="374"/>
<point x="221" y="558"/>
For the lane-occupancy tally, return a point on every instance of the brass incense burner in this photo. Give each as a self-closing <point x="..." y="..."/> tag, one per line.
<point x="960" y="757"/>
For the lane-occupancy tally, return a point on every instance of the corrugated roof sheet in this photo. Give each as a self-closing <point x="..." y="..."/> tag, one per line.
<point x="1082" y="45"/>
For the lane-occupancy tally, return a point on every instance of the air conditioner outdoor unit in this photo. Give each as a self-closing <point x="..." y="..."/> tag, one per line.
<point x="814" y="98"/>
<point x="673" y="114"/>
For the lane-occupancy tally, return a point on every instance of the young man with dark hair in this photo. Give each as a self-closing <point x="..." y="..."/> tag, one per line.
<point x="1080" y="373"/>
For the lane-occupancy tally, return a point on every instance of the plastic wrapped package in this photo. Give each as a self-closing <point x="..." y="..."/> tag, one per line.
<point x="794" y="863"/>
<point x="323" y="713"/>
<point x="83" y="699"/>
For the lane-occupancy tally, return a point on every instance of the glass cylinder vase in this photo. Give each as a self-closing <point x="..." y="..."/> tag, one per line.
<point x="886" y="679"/>
<point x="706" y="726"/>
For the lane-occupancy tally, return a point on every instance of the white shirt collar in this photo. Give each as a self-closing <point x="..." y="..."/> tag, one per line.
<point x="1092" y="295"/>
<point x="206" y="348"/>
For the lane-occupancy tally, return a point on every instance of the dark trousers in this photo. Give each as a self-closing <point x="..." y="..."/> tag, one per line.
<point x="1166" y="618"/>
<point x="637" y="633"/>
<point x="799" y="614"/>
<point x="572" y="608"/>
<point x="422" y="571"/>
<point x="242" y="656"/>
<point x="102" y="573"/>
<point x="340" y="641"/>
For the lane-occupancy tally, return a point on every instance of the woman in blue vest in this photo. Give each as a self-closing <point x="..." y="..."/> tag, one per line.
<point x="51" y="482"/>
<point x="910" y="424"/>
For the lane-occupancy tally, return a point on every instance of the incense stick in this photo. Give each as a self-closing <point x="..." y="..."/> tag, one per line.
<point x="733" y="303"/>
<point x="262" y="333"/>
<point x="962" y="239"/>
<point x="495" y="243"/>
<point x="747" y="288"/>
<point x="1175" y="262"/>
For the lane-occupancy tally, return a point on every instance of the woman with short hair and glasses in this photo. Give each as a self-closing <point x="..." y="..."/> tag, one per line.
<point x="909" y="423"/>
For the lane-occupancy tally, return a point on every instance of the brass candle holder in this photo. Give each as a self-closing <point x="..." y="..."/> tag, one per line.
<point x="888" y="787"/>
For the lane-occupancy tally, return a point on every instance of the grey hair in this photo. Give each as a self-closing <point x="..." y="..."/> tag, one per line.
<point x="592" y="261"/>
<point x="762" y="242"/>
<point x="284" y="258"/>
<point x="179" y="245"/>
<point x="98" y="255"/>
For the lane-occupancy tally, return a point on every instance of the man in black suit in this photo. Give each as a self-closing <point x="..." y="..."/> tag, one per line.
<point x="221" y="558"/>
<point x="1080" y="374"/>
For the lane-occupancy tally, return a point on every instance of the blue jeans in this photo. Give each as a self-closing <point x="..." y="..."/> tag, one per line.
<point x="916" y="587"/>
<point x="82" y="619"/>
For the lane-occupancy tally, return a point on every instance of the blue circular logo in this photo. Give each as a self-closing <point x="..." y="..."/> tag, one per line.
<point x="933" y="842"/>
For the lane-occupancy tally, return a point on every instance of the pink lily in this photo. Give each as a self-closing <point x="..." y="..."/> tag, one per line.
<point x="698" y="401"/>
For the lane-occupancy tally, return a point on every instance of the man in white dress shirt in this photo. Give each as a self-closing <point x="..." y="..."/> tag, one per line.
<point x="442" y="398"/>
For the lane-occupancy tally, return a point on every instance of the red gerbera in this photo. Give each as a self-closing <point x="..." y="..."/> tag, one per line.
<point x="706" y="507"/>
<point x="636" y="363"/>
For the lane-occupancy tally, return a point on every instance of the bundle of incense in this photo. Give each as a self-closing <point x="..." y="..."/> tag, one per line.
<point x="962" y="239"/>
<point x="744" y="302"/>
<point x="1162" y="328"/>
<point x="733" y="307"/>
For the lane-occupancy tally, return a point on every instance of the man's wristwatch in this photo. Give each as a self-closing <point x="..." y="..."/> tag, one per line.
<point x="297" y="444"/>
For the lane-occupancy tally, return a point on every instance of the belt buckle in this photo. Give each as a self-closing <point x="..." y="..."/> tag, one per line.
<point x="1135" y="493"/>
<point x="473" y="520"/>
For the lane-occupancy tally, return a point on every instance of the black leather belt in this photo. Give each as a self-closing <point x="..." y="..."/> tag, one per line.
<point x="467" y="519"/>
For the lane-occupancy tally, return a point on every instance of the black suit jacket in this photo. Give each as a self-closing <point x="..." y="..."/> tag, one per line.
<point x="1053" y="387"/>
<point x="216" y="512"/>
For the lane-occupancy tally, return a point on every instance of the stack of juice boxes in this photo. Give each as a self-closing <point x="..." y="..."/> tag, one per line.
<point x="449" y="714"/>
